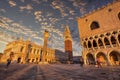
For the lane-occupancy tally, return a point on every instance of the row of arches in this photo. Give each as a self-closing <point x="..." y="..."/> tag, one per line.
<point x="105" y="41"/>
<point x="113" y="58"/>
<point x="30" y="60"/>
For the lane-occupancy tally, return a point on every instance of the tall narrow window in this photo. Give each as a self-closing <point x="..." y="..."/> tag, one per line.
<point x="94" y="25"/>
<point x="119" y="15"/>
<point x="21" y="49"/>
<point x="113" y="40"/>
<point x="34" y="51"/>
<point x="119" y="38"/>
<point x="94" y="43"/>
<point x="106" y="41"/>
<point x="89" y="44"/>
<point x="100" y="42"/>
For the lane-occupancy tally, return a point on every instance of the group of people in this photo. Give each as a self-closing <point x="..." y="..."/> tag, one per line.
<point x="81" y="62"/>
<point x="97" y="63"/>
<point x="10" y="59"/>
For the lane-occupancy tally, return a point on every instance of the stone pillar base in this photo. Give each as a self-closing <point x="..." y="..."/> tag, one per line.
<point x="43" y="63"/>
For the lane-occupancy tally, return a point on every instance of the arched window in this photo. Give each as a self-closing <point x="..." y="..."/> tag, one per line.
<point x="119" y="38"/>
<point x="119" y="15"/>
<point x="94" y="25"/>
<point x="34" y="51"/>
<point x="21" y="49"/>
<point x="100" y="42"/>
<point x="94" y="43"/>
<point x="106" y="41"/>
<point x="89" y="44"/>
<point x="113" y="40"/>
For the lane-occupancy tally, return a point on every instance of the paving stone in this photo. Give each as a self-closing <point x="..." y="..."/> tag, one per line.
<point x="58" y="72"/>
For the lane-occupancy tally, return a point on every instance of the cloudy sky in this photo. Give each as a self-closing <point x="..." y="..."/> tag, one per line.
<point x="29" y="19"/>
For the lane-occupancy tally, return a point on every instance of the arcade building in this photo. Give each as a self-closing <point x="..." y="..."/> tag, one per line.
<point x="28" y="52"/>
<point x="99" y="33"/>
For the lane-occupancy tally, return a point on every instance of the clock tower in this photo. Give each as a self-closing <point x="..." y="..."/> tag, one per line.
<point x="68" y="43"/>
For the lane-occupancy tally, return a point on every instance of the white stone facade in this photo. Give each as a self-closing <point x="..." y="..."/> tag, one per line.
<point x="100" y="35"/>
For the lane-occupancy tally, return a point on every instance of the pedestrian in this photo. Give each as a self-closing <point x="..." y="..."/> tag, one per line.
<point x="10" y="59"/>
<point x="81" y="62"/>
<point x="98" y="63"/>
<point x="8" y="62"/>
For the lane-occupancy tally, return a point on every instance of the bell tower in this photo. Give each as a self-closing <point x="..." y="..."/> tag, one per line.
<point x="46" y="35"/>
<point x="68" y="43"/>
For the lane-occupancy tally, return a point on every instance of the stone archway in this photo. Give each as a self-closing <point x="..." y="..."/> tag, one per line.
<point x="18" y="60"/>
<point x="90" y="59"/>
<point x="114" y="58"/>
<point x="33" y="60"/>
<point x="37" y="60"/>
<point x="103" y="58"/>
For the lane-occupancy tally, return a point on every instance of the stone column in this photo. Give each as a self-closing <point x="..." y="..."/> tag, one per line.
<point x="117" y="41"/>
<point x="46" y="35"/>
<point x="28" y="52"/>
<point x="92" y="45"/>
<point x="111" y="45"/>
<point x="97" y="44"/>
<point x="103" y="43"/>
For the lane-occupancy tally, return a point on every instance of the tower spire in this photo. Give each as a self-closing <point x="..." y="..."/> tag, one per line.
<point x="67" y="34"/>
<point x="68" y="43"/>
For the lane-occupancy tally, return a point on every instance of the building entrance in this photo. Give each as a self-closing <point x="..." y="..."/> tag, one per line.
<point x="90" y="59"/>
<point x="114" y="57"/>
<point x="102" y="58"/>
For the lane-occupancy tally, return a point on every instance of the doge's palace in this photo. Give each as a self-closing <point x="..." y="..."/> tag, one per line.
<point x="100" y="35"/>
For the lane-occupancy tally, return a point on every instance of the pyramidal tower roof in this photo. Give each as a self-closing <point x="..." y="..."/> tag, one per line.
<point x="67" y="34"/>
<point x="67" y="29"/>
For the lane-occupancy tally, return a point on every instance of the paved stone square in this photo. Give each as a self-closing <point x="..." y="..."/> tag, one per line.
<point x="57" y="72"/>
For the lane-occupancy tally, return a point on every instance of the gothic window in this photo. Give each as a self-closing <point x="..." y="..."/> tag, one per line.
<point x="89" y="44"/>
<point x="113" y="40"/>
<point x="100" y="42"/>
<point x="21" y="49"/>
<point x="119" y="15"/>
<point x="94" y="25"/>
<point x="106" y="41"/>
<point x="119" y="38"/>
<point x="94" y="43"/>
